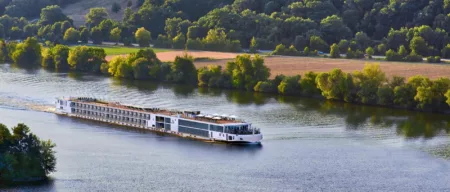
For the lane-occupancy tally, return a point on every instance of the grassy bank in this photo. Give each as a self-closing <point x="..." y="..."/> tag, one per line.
<point x="121" y="50"/>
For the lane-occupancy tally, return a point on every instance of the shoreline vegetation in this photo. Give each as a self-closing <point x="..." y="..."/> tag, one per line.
<point x="369" y="86"/>
<point x="24" y="158"/>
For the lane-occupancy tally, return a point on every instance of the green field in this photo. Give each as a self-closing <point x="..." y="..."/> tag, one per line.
<point x="120" y="50"/>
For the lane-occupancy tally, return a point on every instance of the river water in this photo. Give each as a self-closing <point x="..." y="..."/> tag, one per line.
<point x="309" y="145"/>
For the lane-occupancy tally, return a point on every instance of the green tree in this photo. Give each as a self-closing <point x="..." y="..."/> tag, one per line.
<point x="96" y="35"/>
<point x="381" y="48"/>
<point x="143" y="37"/>
<point x="253" y="46"/>
<point x="404" y="96"/>
<point x="28" y="53"/>
<point x="115" y="35"/>
<point x="52" y="14"/>
<point x="368" y="82"/>
<point x="402" y="52"/>
<point x="29" y="30"/>
<point x="419" y="45"/>
<point x="24" y="156"/>
<point x="445" y="52"/>
<point x="64" y="26"/>
<point x="336" y="85"/>
<point x="334" y="51"/>
<point x="95" y="16"/>
<point x="385" y="95"/>
<point x="79" y="58"/>
<point x="141" y="68"/>
<point x="179" y="41"/>
<point x="362" y="40"/>
<point x="183" y="70"/>
<point x="290" y="85"/>
<point x="47" y="59"/>
<point x="71" y="36"/>
<point x="83" y="58"/>
<point x="84" y="35"/>
<point x="106" y="26"/>
<point x="391" y="55"/>
<point x="369" y="52"/>
<point x="60" y="56"/>
<point x="334" y="29"/>
<point x="316" y="43"/>
<point x="246" y="72"/>
<point x="119" y="67"/>
<point x="116" y="7"/>
<point x="15" y="33"/>
<point x="308" y="84"/>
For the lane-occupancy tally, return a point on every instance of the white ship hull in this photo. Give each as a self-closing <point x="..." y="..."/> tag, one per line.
<point x="161" y="123"/>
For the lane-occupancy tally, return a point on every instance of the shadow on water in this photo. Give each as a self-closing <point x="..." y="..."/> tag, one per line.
<point x="44" y="185"/>
<point x="174" y="140"/>
<point x="145" y="86"/>
<point x="409" y="124"/>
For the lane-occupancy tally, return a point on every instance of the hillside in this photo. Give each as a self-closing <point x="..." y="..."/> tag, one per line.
<point x="77" y="11"/>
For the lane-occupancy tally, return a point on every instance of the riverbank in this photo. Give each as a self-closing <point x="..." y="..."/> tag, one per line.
<point x="369" y="85"/>
<point x="293" y="65"/>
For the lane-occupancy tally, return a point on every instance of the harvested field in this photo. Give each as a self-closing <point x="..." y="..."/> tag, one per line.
<point x="167" y="55"/>
<point x="300" y="65"/>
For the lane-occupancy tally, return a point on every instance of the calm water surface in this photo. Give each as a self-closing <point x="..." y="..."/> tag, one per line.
<point x="308" y="145"/>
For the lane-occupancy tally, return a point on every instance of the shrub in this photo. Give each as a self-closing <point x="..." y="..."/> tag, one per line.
<point x="433" y="59"/>
<point x="27" y="53"/>
<point x="290" y="85"/>
<point x="445" y="52"/>
<point x="369" y="52"/>
<point x="194" y="44"/>
<point x="391" y="55"/>
<point x="265" y="87"/>
<point x="334" y="53"/>
<point x="179" y="41"/>
<point x="163" y="41"/>
<point x="143" y="37"/>
<point x="71" y="36"/>
<point x="414" y="57"/>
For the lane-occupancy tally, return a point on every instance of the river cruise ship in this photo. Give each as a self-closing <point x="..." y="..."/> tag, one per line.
<point x="189" y="124"/>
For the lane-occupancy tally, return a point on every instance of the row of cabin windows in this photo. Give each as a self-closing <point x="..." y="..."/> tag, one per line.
<point x="198" y="132"/>
<point x="200" y="125"/>
<point x="120" y="118"/>
<point x="193" y="124"/>
<point x="216" y="128"/>
<point x="142" y="115"/>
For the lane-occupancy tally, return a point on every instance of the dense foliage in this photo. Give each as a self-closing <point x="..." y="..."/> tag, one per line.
<point x="421" y="27"/>
<point x="23" y="156"/>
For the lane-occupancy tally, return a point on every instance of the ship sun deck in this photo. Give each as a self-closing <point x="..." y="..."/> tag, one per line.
<point x="192" y="115"/>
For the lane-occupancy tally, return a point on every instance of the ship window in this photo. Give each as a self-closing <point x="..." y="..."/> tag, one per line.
<point x="188" y="130"/>
<point x="167" y="120"/>
<point x="216" y="128"/>
<point x="193" y="124"/>
<point x="159" y="119"/>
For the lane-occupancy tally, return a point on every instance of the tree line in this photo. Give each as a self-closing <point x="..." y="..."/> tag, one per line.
<point x="421" y="27"/>
<point x="23" y="156"/>
<point x="369" y="86"/>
